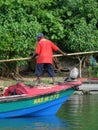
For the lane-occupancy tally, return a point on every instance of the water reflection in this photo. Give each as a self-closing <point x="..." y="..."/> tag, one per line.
<point x="35" y="123"/>
<point x="80" y="111"/>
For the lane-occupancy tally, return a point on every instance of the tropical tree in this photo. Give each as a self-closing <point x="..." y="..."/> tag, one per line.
<point x="71" y="24"/>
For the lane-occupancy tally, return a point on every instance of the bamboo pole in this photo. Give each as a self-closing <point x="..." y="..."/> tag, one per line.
<point x="16" y="59"/>
<point x="78" y="53"/>
<point x="57" y="55"/>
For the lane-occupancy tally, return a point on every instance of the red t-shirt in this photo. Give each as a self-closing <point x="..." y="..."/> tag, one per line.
<point x="45" y="50"/>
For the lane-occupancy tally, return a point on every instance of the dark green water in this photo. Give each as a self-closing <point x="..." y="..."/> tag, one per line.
<point x="80" y="112"/>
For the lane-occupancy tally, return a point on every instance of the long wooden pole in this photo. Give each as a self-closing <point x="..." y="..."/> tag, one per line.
<point x="78" y="53"/>
<point x="57" y="55"/>
<point x="16" y="59"/>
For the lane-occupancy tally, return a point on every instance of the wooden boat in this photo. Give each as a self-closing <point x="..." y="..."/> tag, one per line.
<point x="23" y="100"/>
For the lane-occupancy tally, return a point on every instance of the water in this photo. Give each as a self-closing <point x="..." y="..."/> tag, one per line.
<point x="80" y="112"/>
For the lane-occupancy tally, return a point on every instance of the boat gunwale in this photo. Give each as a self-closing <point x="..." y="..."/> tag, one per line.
<point x="24" y="96"/>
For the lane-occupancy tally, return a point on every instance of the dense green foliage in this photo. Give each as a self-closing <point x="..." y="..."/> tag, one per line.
<point x="71" y="24"/>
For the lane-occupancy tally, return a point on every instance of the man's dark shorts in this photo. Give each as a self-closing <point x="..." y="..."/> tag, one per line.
<point x="41" y="67"/>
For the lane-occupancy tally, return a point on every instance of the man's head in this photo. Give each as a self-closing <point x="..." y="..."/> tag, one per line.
<point x="39" y="36"/>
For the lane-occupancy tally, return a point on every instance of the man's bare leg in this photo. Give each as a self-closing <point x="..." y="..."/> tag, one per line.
<point x="53" y="80"/>
<point x="38" y="80"/>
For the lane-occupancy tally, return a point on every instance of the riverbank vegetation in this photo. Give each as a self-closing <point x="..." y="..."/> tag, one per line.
<point x="71" y="24"/>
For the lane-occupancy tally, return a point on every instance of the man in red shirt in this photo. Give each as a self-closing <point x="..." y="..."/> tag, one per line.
<point x="44" y="53"/>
